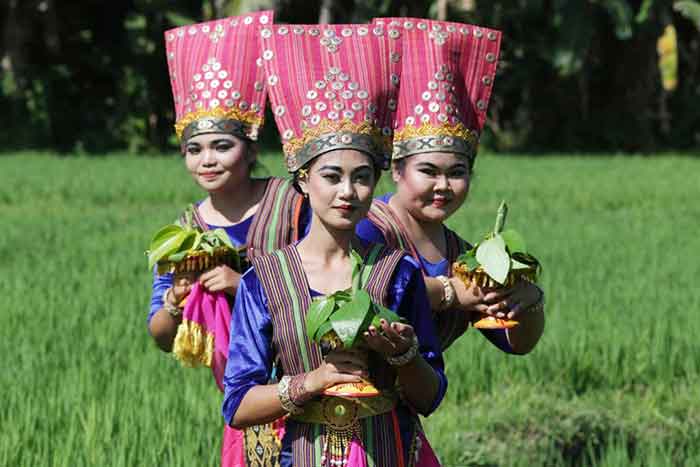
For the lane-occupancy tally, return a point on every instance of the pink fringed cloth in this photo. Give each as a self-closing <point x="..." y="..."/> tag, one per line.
<point x="425" y="456"/>
<point x="202" y="340"/>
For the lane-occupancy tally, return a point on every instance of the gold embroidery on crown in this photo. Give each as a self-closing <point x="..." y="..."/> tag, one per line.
<point x="248" y="116"/>
<point x="330" y="126"/>
<point x="458" y="130"/>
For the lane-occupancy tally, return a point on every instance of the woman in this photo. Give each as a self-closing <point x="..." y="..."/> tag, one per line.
<point x="220" y="96"/>
<point x="335" y="162"/>
<point x="448" y="72"/>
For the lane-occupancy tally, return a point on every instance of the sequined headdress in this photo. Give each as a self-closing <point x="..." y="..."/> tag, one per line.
<point x="332" y="87"/>
<point x="216" y="77"/>
<point x="448" y="73"/>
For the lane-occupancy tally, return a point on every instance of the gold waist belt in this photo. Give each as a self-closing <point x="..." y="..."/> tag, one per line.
<point x="341" y="417"/>
<point x="339" y="413"/>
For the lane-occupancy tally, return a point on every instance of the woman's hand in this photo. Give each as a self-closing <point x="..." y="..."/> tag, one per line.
<point x="510" y="302"/>
<point x="391" y="339"/>
<point x="221" y="278"/>
<point x="470" y="298"/>
<point x="182" y="286"/>
<point x="339" y="366"/>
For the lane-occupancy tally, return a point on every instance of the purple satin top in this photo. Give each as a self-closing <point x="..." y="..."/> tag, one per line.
<point x="251" y="355"/>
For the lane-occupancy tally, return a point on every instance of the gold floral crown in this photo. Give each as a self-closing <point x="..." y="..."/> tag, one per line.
<point x="447" y="137"/>
<point x="242" y="123"/>
<point x="342" y="134"/>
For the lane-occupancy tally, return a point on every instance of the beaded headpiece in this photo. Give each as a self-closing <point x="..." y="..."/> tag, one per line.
<point x="216" y="76"/>
<point x="447" y="76"/>
<point x="332" y="87"/>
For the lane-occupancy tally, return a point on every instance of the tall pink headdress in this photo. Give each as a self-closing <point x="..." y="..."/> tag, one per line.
<point x="217" y="81"/>
<point x="447" y="77"/>
<point x="332" y="87"/>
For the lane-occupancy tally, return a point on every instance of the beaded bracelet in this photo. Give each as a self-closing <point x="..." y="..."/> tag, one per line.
<point x="407" y="356"/>
<point x="297" y="393"/>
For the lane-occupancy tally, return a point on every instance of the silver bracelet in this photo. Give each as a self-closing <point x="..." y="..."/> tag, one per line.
<point x="448" y="292"/>
<point x="285" y="400"/>
<point x="172" y="310"/>
<point x="407" y="356"/>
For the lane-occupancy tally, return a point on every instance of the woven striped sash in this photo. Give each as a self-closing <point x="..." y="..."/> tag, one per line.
<point x="287" y="289"/>
<point x="450" y="324"/>
<point x="277" y="223"/>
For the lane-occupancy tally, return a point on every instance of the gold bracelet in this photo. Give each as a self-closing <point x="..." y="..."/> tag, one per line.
<point x="285" y="400"/>
<point x="448" y="292"/>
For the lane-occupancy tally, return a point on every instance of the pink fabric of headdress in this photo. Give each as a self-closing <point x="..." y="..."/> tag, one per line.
<point x="447" y="78"/>
<point x="216" y="77"/>
<point x="331" y="87"/>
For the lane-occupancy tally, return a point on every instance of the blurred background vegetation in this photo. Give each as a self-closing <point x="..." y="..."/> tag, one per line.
<point x="595" y="75"/>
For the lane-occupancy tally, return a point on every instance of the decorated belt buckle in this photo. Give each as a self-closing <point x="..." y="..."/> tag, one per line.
<point x="340" y="414"/>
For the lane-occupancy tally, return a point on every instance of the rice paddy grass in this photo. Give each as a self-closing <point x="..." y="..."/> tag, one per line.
<point x="614" y="381"/>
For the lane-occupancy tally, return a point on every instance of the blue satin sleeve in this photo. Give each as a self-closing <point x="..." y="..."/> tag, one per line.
<point x="250" y="346"/>
<point x="161" y="283"/>
<point x="368" y="232"/>
<point x="408" y="298"/>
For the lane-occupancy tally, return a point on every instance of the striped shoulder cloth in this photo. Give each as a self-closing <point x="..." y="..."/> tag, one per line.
<point x="450" y="324"/>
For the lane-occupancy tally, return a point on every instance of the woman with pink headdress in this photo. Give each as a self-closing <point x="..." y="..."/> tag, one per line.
<point x="333" y="90"/>
<point x="448" y="74"/>
<point x="219" y="92"/>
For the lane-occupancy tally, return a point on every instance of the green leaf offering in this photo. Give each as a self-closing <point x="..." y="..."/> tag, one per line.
<point x="501" y="255"/>
<point x="344" y="315"/>
<point x="188" y="249"/>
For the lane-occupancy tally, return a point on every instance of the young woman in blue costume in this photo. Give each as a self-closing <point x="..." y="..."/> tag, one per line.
<point x="336" y="164"/>
<point x="448" y="72"/>
<point x="220" y="97"/>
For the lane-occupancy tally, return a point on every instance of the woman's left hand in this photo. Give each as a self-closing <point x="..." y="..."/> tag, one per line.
<point x="510" y="302"/>
<point x="221" y="278"/>
<point x="393" y="339"/>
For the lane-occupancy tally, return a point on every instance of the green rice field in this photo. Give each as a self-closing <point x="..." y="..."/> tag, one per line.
<point x="615" y="380"/>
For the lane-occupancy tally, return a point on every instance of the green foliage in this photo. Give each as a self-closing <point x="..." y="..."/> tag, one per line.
<point x="690" y="9"/>
<point x="69" y="89"/>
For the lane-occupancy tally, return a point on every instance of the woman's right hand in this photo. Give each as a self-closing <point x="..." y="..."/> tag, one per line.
<point x="182" y="286"/>
<point x="468" y="298"/>
<point x="339" y="366"/>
